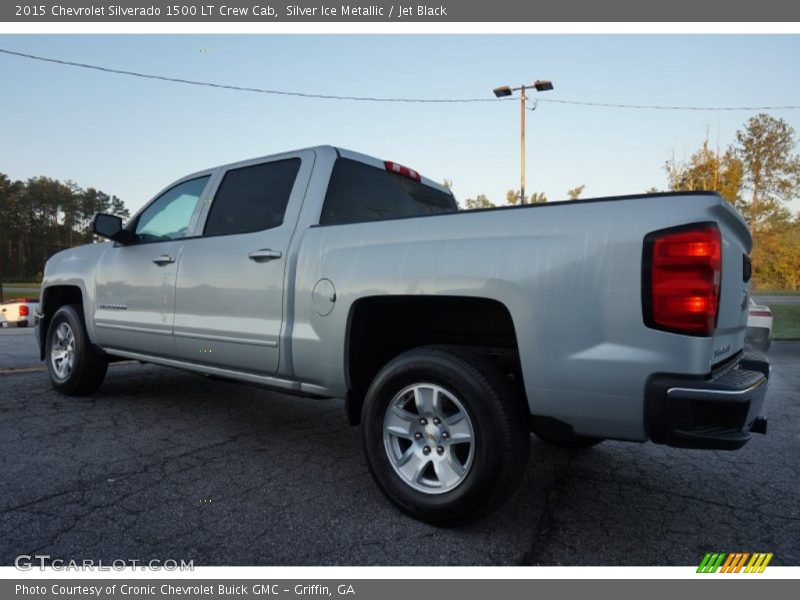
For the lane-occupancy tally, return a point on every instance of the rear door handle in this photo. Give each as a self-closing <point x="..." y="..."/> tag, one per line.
<point x="164" y="259"/>
<point x="264" y="254"/>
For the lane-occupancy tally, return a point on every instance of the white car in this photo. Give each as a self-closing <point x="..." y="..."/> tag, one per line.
<point x="20" y="312"/>
<point x="759" y="326"/>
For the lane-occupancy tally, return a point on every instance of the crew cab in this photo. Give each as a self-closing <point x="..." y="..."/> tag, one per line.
<point x="450" y="334"/>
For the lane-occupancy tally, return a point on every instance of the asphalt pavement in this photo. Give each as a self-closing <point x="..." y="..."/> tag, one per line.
<point x="18" y="349"/>
<point x="162" y="464"/>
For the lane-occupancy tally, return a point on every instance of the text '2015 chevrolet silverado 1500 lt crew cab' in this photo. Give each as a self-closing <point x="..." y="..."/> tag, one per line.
<point x="451" y="335"/>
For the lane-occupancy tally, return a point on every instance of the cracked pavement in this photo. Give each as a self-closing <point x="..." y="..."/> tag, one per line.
<point x="161" y="464"/>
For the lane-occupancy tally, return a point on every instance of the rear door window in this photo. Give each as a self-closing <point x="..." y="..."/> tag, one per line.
<point x="358" y="192"/>
<point x="252" y="198"/>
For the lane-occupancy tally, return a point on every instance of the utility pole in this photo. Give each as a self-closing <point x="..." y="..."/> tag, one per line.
<point x="539" y="85"/>
<point x="522" y="98"/>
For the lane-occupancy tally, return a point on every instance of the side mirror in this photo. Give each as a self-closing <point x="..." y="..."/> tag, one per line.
<point x="110" y="226"/>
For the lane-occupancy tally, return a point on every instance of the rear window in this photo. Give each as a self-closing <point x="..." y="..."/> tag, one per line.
<point x="358" y="192"/>
<point x="252" y="198"/>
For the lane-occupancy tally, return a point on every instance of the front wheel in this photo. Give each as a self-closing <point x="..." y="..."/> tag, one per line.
<point x="75" y="367"/>
<point x="444" y="434"/>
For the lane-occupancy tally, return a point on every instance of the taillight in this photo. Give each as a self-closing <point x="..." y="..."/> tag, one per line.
<point x="23" y="310"/>
<point x="682" y="270"/>
<point x="760" y="313"/>
<point x="401" y="170"/>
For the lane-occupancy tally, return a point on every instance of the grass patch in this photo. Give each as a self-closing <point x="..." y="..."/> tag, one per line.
<point x="20" y="290"/>
<point x="786" y="321"/>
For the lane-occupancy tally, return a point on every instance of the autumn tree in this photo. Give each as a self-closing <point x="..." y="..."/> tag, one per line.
<point x="776" y="258"/>
<point x="514" y="198"/>
<point x="576" y="192"/>
<point x="707" y="170"/>
<point x="481" y="201"/>
<point x="771" y="169"/>
<point x="537" y="198"/>
<point x="758" y="174"/>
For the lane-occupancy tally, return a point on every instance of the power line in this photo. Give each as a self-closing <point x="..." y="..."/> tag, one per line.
<point x="660" y="107"/>
<point x="242" y="88"/>
<point x="380" y="99"/>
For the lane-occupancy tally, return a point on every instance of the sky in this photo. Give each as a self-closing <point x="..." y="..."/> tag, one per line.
<point x="131" y="137"/>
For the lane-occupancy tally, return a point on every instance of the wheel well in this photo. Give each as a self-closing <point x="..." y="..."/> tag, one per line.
<point x="53" y="298"/>
<point x="382" y="327"/>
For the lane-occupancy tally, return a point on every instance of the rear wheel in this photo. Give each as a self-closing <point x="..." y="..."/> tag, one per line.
<point x="444" y="434"/>
<point x="75" y="367"/>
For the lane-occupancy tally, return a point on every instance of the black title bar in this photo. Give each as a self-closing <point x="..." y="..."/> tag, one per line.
<point x="320" y="11"/>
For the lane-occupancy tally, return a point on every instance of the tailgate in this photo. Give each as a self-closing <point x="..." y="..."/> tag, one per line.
<point x="735" y="283"/>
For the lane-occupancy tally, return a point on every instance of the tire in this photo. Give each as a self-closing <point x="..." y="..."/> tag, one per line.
<point x="466" y="412"/>
<point x="75" y="368"/>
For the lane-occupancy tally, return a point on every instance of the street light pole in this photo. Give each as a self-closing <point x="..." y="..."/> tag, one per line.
<point x="540" y="85"/>
<point x="522" y="146"/>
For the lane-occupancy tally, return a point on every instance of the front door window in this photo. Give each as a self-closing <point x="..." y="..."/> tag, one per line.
<point x="168" y="218"/>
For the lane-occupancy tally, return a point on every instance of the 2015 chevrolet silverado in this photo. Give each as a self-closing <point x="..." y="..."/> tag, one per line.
<point x="451" y="335"/>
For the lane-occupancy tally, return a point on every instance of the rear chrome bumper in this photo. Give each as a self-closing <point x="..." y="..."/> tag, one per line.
<point x="718" y="412"/>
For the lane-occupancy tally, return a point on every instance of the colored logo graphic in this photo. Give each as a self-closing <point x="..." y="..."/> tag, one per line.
<point x="735" y="562"/>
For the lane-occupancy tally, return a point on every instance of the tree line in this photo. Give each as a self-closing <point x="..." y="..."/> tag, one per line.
<point x="41" y="216"/>
<point x="759" y="173"/>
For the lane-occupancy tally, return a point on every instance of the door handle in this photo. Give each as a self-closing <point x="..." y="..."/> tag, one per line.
<point x="164" y="259"/>
<point x="264" y="254"/>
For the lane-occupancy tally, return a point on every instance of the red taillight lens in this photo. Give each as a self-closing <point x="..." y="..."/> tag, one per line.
<point x="24" y="311"/>
<point x="682" y="273"/>
<point x="760" y="313"/>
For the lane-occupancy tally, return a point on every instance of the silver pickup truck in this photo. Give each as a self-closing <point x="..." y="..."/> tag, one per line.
<point x="451" y="335"/>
